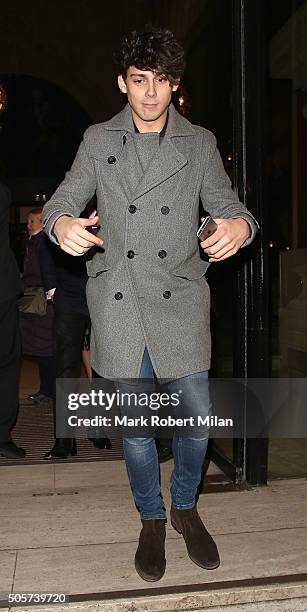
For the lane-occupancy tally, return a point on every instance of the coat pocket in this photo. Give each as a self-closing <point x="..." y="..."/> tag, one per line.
<point x="192" y="269"/>
<point x="97" y="265"/>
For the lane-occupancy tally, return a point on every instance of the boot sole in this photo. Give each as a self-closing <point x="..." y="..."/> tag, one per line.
<point x="208" y="567"/>
<point x="146" y="577"/>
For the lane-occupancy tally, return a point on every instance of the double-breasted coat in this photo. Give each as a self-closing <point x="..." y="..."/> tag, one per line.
<point x="147" y="286"/>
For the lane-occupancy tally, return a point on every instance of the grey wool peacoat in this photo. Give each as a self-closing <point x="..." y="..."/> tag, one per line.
<point x="147" y="286"/>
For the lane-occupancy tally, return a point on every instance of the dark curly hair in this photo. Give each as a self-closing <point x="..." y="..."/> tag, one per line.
<point x="152" y="49"/>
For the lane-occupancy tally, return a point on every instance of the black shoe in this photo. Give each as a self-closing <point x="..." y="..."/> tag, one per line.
<point x="11" y="451"/>
<point x="32" y="396"/>
<point x="101" y="442"/>
<point x="39" y="399"/>
<point x="62" y="449"/>
<point x="149" y="559"/>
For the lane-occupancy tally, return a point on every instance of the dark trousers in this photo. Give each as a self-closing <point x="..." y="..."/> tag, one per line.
<point x="46" y="375"/>
<point x="69" y="329"/>
<point x="9" y="366"/>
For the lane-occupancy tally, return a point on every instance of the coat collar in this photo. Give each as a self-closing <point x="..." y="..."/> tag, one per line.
<point x="176" y="125"/>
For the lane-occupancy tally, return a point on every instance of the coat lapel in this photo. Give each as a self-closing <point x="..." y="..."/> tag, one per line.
<point x="128" y="168"/>
<point x="167" y="161"/>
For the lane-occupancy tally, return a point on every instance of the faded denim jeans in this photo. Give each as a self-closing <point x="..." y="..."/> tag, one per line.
<point x="188" y="451"/>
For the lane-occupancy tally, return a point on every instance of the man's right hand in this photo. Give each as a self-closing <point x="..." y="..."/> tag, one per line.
<point x="72" y="234"/>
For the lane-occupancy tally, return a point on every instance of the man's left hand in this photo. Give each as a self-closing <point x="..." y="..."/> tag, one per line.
<point x="227" y="239"/>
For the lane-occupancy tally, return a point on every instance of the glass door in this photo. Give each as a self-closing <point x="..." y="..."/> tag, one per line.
<point x="209" y="82"/>
<point x="225" y="61"/>
<point x="287" y="237"/>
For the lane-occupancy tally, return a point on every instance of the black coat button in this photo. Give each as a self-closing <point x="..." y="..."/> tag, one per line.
<point x="165" y="210"/>
<point x="132" y="208"/>
<point x="118" y="295"/>
<point x="130" y="254"/>
<point x="167" y="295"/>
<point x="111" y="159"/>
<point x="162" y="254"/>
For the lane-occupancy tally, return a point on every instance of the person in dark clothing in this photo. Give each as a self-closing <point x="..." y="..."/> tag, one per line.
<point x="64" y="279"/>
<point x="36" y="330"/>
<point x="10" y="288"/>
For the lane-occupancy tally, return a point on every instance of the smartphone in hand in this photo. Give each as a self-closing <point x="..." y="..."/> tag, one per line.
<point x="207" y="228"/>
<point x="93" y="229"/>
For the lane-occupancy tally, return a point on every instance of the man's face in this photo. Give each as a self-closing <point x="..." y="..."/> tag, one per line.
<point x="34" y="223"/>
<point x="148" y="94"/>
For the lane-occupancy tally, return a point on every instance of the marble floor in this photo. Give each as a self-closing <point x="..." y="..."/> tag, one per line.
<point x="73" y="528"/>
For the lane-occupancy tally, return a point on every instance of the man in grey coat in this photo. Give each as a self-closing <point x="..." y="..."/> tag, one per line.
<point x="148" y="297"/>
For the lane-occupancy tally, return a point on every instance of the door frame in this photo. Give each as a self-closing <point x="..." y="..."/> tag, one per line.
<point x="251" y="342"/>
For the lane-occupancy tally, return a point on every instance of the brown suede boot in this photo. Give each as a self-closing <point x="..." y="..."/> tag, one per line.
<point x="200" y="545"/>
<point x="150" y="556"/>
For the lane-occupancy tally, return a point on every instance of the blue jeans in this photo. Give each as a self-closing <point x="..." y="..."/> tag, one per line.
<point x="189" y="452"/>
